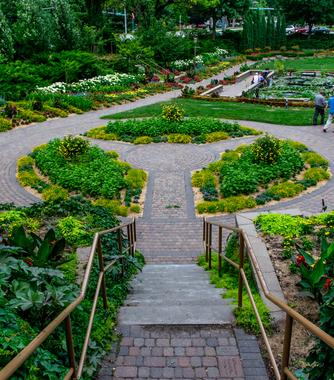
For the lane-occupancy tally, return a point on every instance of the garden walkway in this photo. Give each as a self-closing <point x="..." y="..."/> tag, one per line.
<point x="169" y="233"/>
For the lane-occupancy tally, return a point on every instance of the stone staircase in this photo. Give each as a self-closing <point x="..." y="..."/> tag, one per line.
<point x="170" y="294"/>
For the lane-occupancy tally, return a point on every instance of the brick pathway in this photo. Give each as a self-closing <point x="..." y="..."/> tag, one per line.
<point x="184" y="352"/>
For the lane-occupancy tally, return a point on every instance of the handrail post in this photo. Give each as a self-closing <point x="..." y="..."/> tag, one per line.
<point x="205" y="238"/>
<point x="120" y="250"/>
<point x="101" y="265"/>
<point x="220" y="237"/>
<point x="241" y="266"/>
<point x="210" y="246"/>
<point x="128" y="231"/>
<point x="70" y="345"/>
<point x="286" y="345"/>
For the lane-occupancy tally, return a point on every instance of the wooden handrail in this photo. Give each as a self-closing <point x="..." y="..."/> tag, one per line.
<point x="20" y="358"/>
<point x="291" y="315"/>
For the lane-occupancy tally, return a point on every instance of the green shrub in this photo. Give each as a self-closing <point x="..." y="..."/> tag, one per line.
<point x="216" y="136"/>
<point x="94" y="173"/>
<point x="27" y="178"/>
<point x="10" y="220"/>
<point x="71" y="147"/>
<point x="25" y="163"/>
<point x="113" y="154"/>
<point x="143" y="140"/>
<point x="100" y="133"/>
<point x="54" y="193"/>
<point x="315" y="160"/>
<point x="286" y="189"/>
<point x="136" y="178"/>
<point x="122" y="211"/>
<point x="266" y="149"/>
<point x="5" y="124"/>
<point x="30" y="116"/>
<point x="135" y="209"/>
<point x="54" y="112"/>
<point x="282" y="224"/>
<point x="317" y="174"/>
<point x="203" y="178"/>
<point x="230" y="156"/>
<point x="172" y="113"/>
<point x="179" y="138"/>
<point x="72" y="230"/>
<point x="233" y="204"/>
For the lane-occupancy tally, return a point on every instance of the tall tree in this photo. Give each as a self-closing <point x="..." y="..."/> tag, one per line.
<point x="308" y="12"/>
<point x="6" y="39"/>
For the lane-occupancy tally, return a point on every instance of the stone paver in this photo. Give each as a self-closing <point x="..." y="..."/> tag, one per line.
<point x="184" y="352"/>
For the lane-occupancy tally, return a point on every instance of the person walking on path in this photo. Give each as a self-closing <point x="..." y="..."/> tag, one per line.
<point x="319" y="108"/>
<point x="330" y="114"/>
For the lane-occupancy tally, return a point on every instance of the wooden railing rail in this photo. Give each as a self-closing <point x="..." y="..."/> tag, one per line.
<point x="245" y="248"/>
<point x="75" y="371"/>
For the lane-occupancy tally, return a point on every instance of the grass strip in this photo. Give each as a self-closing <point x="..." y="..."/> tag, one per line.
<point x="226" y="110"/>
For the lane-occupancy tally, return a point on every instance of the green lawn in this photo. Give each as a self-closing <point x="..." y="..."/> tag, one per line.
<point x="301" y="64"/>
<point x="226" y="110"/>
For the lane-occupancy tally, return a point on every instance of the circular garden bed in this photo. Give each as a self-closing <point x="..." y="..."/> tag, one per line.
<point x="267" y="170"/>
<point x="70" y="166"/>
<point x="171" y="127"/>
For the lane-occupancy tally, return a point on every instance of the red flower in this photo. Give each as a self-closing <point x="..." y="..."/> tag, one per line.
<point x="300" y="260"/>
<point x="327" y="284"/>
<point x="29" y="262"/>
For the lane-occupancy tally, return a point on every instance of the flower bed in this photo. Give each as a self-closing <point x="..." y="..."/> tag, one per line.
<point x="71" y="165"/>
<point x="39" y="277"/>
<point x="49" y="103"/>
<point x="303" y="259"/>
<point x="191" y="130"/>
<point x="267" y="170"/>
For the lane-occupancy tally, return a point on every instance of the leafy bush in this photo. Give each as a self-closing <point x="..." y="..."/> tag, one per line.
<point x="315" y="160"/>
<point x="143" y="140"/>
<point x="113" y="154"/>
<point x="136" y="178"/>
<point x="100" y="133"/>
<point x="113" y="205"/>
<point x="73" y="231"/>
<point x="286" y="189"/>
<point x="54" y="193"/>
<point x="203" y="178"/>
<point x="27" y="178"/>
<point x="282" y="224"/>
<point x="230" y="205"/>
<point x="316" y="174"/>
<point x="243" y="176"/>
<point x="5" y="124"/>
<point x="179" y="138"/>
<point x="30" y="116"/>
<point x="94" y="173"/>
<point x="12" y="219"/>
<point x="135" y="209"/>
<point x="71" y="147"/>
<point x="297" y="145"/>
<point x="172" y="113"/>
<point x="216" y="136"/>
<point x="266" y="149"/>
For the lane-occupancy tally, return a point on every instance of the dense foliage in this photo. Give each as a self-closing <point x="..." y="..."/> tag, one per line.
<point x="33" y="292"/>
<point x="267" y="168"/>
<point x="199" y="130"/>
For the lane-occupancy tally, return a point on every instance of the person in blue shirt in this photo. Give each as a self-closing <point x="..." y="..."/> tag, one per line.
<point x="330" y="119"/>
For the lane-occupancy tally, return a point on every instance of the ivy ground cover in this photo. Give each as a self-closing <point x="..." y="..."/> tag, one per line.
<point x="267" y="170"/>
<point x="71" y="165"/>
<point x="302" y="252"/>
